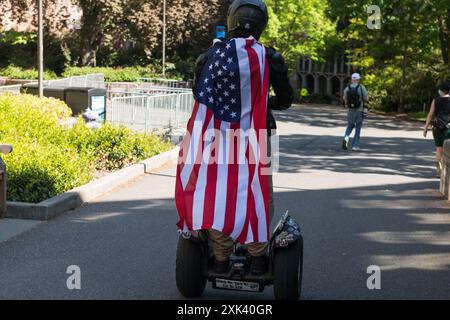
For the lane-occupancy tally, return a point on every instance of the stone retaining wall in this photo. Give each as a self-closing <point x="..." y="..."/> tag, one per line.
<point x="445" y="177"/>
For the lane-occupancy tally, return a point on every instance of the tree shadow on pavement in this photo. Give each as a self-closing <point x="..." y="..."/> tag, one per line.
<point x="379" y="155"/>
<point x="327" y="116"/>
<point x="403" y="228"/>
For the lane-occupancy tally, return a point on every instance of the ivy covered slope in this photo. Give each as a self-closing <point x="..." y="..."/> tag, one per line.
<point x="50" y="159"/>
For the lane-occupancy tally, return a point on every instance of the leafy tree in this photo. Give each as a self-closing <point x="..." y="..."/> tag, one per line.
<point x="298" y="28"/>
<point x="407" y="42"/>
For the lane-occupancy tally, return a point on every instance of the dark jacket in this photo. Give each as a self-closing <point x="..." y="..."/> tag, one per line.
<point x="278" y="78"/>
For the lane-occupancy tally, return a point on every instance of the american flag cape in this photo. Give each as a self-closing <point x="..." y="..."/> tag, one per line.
<point x="221" y="183"/>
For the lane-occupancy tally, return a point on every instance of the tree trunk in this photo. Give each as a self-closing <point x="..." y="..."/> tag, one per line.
<point x="444" y="37"/>
<point x="401" y="108"/>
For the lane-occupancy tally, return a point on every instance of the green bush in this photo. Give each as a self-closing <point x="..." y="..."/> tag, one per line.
<point x="49" y="159"/>
<point x="114" y="147"/>
<point x="128" y="74"/>
<point x="20" y="49"/>
<point x="42" y="165"/>
<point x="15" y="72"/>
<point x="125" y="74"/>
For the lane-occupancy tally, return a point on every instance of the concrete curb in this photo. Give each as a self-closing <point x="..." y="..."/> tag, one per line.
<point x="72" y="199"/>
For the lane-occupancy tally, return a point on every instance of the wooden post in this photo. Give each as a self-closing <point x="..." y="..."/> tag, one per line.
<point x="164" y="39"/>
<point x="40" y="48"/>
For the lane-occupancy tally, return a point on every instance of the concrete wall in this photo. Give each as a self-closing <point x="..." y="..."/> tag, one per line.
<point x="445" y="176"/>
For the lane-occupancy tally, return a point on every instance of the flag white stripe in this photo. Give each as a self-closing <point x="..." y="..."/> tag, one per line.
<point x="194" y="143"/>
<point x="249" y="235"/>
<point x="222" y="177"/>
<point x="246" y="103"/>
<point x="261" y="52"/>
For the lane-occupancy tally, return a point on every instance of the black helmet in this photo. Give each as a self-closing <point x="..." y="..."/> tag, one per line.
<point x="247" y="18"/>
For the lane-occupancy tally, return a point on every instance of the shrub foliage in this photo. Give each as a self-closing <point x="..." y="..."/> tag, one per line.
<point x="50" y="159"/>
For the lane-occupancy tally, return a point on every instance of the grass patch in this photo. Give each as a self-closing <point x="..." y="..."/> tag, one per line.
<point x="419" y="116"/>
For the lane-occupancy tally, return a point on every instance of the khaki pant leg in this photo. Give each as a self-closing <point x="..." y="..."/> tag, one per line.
<point x="257" y="249"/>
<point x="222" y="245"/>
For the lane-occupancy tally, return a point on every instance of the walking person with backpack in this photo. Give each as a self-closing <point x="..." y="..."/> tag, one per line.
<point x="355" y="98"/>
<point x="439" y="117"/>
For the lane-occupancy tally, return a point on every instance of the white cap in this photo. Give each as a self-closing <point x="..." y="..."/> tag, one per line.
<point x="356" y="76"/>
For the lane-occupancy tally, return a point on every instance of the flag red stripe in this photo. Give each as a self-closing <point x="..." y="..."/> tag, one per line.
<point x="255" y="73"/>
<point x="231" y="187"/>
<point x="264" y="179"/>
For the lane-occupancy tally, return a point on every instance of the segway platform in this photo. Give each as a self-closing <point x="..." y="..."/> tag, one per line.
<point x="195" y="261"/>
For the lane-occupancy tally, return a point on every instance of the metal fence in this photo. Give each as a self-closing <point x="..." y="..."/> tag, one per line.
<point x="148" y="105"/>
<point x="148" y="113"/>
<point x="142" y="88"/>
<point x="169" y="83"/>
<point x="12" y="89"/>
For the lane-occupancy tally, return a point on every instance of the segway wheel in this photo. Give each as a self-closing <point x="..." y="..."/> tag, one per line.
<point x="190" y="259"/>
<point x="288" y="269"/>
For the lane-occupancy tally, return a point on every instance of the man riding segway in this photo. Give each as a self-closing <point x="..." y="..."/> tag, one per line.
<point x="224" y="190"/>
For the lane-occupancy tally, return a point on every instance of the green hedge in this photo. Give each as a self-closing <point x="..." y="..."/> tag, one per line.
<point x="15" y="72"/>
<point x="126" y="74"/>
<point x="49" y="159"/>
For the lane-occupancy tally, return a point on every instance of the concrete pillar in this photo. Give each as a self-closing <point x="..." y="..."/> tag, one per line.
<point x="335" y="70"/>
<point x="330" y="86"/>
<point x="294" y="82"/>
<point x="349" y="71"/>
<point x="304" y="83"/>
<point x="316" y="84"/>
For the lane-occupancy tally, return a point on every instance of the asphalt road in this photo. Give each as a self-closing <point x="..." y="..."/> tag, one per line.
<point x="379" y="207"/>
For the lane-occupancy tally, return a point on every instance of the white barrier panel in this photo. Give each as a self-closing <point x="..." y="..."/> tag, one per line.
<point x="12" y="89"/>
<point x="95" y="80"/>
<point x="149" y="113"/>
<point x="171" y="83"/>
<point x="143" y="88"/>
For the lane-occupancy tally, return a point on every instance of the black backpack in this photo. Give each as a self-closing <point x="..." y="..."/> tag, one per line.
<point x="440" y="123"/>
<point x="353" y="97"/>
<point x="442" y="115"/>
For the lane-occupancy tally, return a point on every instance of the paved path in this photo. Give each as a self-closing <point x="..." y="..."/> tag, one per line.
<point x="377" y="207"/>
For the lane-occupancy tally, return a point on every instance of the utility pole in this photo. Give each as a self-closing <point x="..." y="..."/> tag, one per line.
<point x="40" y="48"/>
<point x="164" y="39"/>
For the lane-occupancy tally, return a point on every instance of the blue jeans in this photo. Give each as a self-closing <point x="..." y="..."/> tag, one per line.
<point x="355" y="119"/>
